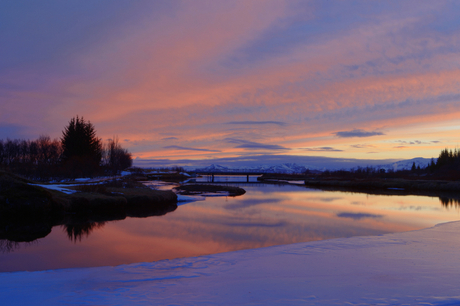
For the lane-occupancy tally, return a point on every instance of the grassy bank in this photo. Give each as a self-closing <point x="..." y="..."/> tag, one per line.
<point x="28" y="212"/>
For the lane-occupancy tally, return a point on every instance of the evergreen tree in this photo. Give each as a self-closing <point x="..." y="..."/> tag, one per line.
<point x="81" y="149"/>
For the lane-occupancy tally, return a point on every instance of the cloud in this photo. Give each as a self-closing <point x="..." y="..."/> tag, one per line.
<point x="416" y="142"/>
<point x="362" y="146"/>
<point x="190" y="149"/>
<point x="170" y="138"/>
<point x="358" y="216"/>
<point x="323" y="149"/>
<point x="250" y="145"/>
<point x="257" y="122"/>
<point x="357" y="133"/>
<point x="189" y="69"/>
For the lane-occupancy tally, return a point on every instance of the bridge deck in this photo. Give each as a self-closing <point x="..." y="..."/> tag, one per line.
<point x="230" y="172"/>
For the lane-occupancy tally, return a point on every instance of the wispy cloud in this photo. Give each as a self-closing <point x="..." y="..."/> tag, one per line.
<point x="362" y="146"/>
<point x="257" y="122"/>
<point x="357" y="133"/>
<point x="186" y="69"/>
<point x="416" y="142"/>
<point x="251" y="145"/>
<point x="323" y="149"/>
<point x="358" y="216"/>
<point x="190" y="149"/>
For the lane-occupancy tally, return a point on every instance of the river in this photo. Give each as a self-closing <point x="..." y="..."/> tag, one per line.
<point x="266" y="215"/>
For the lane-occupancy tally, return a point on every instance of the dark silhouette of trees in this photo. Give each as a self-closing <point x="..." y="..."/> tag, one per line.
<point x="115" y="157"/>
<point x="78" y="153"/>
<point x="34" y="159"/>
<point x="81" y="149"/>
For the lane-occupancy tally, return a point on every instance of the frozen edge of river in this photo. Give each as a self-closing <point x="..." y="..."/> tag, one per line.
<point x="417" y="267"/>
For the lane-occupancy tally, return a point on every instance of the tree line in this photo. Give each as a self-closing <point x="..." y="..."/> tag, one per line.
<point x="79" y="152"/>
<point x="446" y="166"/>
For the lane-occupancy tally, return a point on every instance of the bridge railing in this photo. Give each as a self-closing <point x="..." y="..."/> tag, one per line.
<point x="235" y="171"/>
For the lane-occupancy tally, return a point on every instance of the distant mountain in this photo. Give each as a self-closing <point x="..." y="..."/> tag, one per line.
<point x="281" y="163"/>
<point x="407" y="164"/>
<point x="282" y="168"/>
<point x="295" y="168"/>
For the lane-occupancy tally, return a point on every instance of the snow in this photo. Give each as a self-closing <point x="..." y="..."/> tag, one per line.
<point x="82" y="179"/>
<point x="412" y="268"/>
<point x="282" y="163"/>
<point x="61" y="188"/>
<point x="281" y="168"/>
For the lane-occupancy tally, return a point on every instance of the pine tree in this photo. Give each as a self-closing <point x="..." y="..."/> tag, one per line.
<point x="82" y="150"/>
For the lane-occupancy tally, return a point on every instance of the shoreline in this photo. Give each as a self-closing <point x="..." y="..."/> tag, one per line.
<point x="408" y="267"/>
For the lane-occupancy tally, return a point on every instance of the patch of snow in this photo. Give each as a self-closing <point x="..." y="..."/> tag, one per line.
<point x="61" y="188"/>
<point x="412" y="268"/>
<point x="83" y="179"/>
<point x="407" y="164"/>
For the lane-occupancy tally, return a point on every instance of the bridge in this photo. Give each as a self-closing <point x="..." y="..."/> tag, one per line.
<point x="246" y="173"/>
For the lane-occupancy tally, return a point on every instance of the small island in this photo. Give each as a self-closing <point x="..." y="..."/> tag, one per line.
<point x="205" y="189"/>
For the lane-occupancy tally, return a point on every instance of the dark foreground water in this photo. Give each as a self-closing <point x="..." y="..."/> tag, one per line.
<point x="266" y="215"/>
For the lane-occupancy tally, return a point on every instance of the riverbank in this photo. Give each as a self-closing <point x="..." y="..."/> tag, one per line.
<point x="432" y="188"/>
<point x="207" y="189"/>
<point x="414" y="268"/>
<point x="28" y="210"/>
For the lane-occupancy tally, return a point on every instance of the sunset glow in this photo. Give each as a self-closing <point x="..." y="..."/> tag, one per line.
<point x="214" y="79"/>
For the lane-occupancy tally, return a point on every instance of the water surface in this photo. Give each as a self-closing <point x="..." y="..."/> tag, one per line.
<point x="266" y="215"/>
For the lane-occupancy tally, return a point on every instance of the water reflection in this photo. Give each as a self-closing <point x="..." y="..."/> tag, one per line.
<point x="7" y="246"/>
<point x="449" y="202"/>
<point x="76" y="226"/>
<point x="77" y="231"/>
<point x="358" y="216"/>
<point x="266" y="215"/>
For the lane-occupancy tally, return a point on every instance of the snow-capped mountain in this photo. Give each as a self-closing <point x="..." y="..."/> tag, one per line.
<point x="296" y="168"/>
<point x="282" y="168"/>
<point x="407" y="164"/>
<point x="281" y="163"/>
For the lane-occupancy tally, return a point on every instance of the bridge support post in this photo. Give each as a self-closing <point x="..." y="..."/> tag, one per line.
<point x="247" y="178"/>
<point x="212" y="176"/>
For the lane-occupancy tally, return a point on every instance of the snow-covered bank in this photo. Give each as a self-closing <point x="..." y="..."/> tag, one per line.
<point x="413" y="268"/>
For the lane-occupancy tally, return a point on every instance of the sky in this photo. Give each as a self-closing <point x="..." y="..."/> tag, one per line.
<point x="225" y="79"/>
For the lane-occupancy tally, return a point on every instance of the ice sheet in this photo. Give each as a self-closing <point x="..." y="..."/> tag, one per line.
<point x="414" y="268"/>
